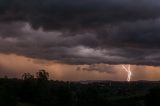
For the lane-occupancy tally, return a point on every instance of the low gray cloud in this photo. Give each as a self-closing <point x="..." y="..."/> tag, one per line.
<point x="98" y="67"/>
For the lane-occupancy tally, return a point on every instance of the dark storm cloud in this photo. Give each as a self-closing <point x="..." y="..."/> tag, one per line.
<point x="139" y="34"/>
<point x="82" y="31"/>
<point x="77" y="14"/>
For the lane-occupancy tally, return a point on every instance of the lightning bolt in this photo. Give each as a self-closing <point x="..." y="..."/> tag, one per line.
<point x="128" y="70"/>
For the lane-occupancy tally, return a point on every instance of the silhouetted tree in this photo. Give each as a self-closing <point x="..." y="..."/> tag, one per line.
<point x="27" y="76"/>
<point x="27" y="88"/>
<point x="42" y="75"/>
<point x="42" y="89"/>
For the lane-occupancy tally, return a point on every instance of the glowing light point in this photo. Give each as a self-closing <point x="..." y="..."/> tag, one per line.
<point x="128" y="70"/>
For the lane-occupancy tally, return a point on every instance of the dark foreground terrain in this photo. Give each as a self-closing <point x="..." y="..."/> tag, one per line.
<point x="31" y="91"/>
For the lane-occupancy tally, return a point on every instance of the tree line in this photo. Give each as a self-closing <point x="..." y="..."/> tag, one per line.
<point x="40" y="91"/>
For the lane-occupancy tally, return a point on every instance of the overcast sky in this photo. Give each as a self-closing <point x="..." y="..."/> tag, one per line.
<point x="83" y="36"/>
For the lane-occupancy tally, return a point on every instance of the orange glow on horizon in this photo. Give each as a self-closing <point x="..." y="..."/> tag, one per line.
<point x="14" y="66"/>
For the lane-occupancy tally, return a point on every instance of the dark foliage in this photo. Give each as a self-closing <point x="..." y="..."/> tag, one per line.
<point x="43" y="92"/>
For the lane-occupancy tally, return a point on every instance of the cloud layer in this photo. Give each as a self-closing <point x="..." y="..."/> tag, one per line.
<point x="82" y="31"/>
